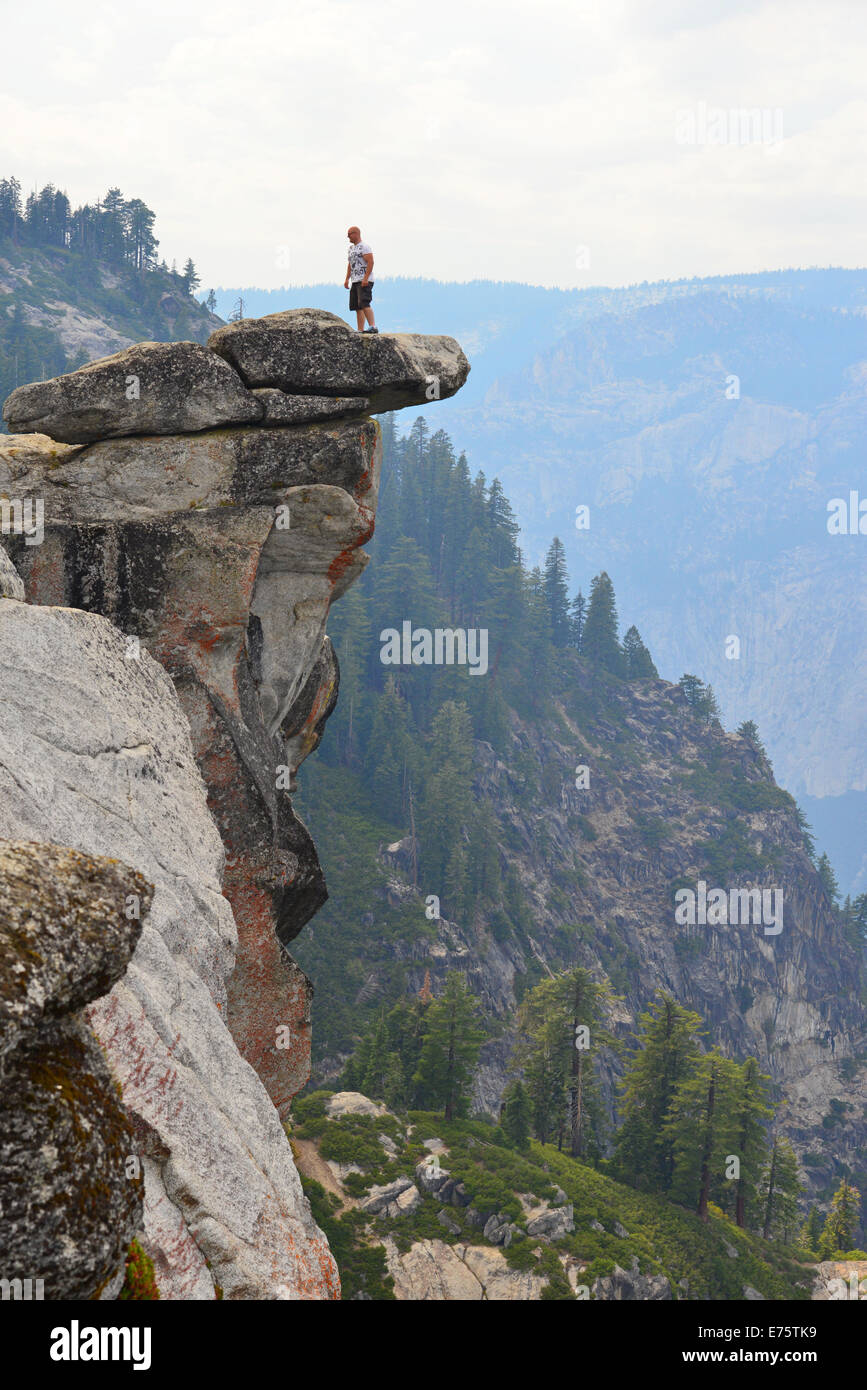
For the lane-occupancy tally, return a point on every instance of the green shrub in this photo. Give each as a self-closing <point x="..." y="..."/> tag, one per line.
<point x="362" y="1265"/>
<point x="139" y="1282"/>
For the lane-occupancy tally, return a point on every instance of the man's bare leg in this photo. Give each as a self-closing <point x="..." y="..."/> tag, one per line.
<point x="368" y="314"/>
<point x="359" y="317"/>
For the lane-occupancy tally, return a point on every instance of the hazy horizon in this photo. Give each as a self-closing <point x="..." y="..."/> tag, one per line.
<point x="600" y="145"/>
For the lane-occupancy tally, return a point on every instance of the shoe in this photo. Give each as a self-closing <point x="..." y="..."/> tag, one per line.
<point x="370" y="330"/>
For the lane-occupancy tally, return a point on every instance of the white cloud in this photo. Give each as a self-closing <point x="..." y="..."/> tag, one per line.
<point x="467" y="139"/>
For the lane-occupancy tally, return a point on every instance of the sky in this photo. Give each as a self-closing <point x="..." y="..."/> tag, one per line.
<point x="558" y="142"/>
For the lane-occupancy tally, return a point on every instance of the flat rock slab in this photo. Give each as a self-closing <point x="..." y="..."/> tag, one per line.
<point x="151" y="388"/>
<point x="310" y="352"/>
<point x="433" y="1271"/>
<point x="139" y="479"/>
<point x="280" y="409"/>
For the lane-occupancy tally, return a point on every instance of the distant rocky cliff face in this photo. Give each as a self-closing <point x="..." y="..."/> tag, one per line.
<point x="211" y="504"/>
<point x="669" y="800"/>
<point x="86" y="311"/>
<point x="707" y="433"/>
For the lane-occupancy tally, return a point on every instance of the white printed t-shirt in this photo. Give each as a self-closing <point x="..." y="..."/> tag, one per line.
<point x="357" y="266"/>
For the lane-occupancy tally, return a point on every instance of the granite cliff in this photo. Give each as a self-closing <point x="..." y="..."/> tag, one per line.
<point x="182" y="517"/>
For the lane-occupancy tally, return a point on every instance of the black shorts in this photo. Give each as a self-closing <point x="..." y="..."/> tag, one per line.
<point x="360" y="296"/>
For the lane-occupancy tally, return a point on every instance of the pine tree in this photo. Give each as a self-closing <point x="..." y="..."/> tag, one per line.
<point x="471" y="583"/>
<point x="701" y="1129"/>
<point x="779" y="1189"/>
<point x="505" y="616"/>
<point x="636" y="658"/>
<point x="859" y="916"/>
<point x="394" y="1083"/>
<point x="139" y="238"/>
<point x="456" y="880"/>
<point x="749" y="730"/>
<point x="811" y="1232"/>
<point x="557" y="593"/>
<point x="353" y="643"/>
<point x="516" y="1115"/>
<point x="190" y="276"/>
<point x="806" y="833"/>
<point x="700" y="698"/>
<point x="560" y="1037"/>
<point x="600" y="641"/>
<point x="838" y="1233"/>
<point x="504" y="526"/>
<point x="376" y="1060"/>
<point x="10" y="208"/>
<point x="389" y="750"/>
<point x="667" y="1054"/>
<point x="750" y="1143"/>
<point x="403" y="589"/>
<point x="211" y="302"/>
<point x="829" y="879"/>
<point x="483" y="854"/>
<point x="446" y="805"/>
<point x="450" y="1049"/>
<point x="537" y="653"/>
<point x="544" y="1056"/>
<point x="582" y="999"/>
<point x="577" y="620"/>
<point x="789" y="1189"/>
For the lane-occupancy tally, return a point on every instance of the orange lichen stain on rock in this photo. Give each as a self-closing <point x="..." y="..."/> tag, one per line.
<point x="221" y="767"/>
<point x="190" y="639"/>
<point x="317" y="1272"/>
<point x="320" y="703"/>
<point x="341" y="563"/>
<point x="369" y="516"/>
<point x="367" y="477"/>
<point x="46" y="581"/>
<point x="268" y="1012"/>
<point x="203" y="629"/>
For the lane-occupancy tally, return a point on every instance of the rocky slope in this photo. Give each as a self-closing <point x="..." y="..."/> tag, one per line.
<point x="671" y="800"/>
<point x="218" y="553"/>
<point x="86" y="310"/>
<point x="421" y="1209"/>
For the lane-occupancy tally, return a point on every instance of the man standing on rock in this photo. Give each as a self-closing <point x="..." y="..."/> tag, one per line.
<point x="359" y="271"/>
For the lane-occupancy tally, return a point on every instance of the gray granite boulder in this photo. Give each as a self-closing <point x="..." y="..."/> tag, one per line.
<point x="430" y="1176"/>
<point x="65" y="936"/>
<point x="627" y="1286"/>
<point x="381" y="1197"/>
<point x="551" y="1224"/>
<point x="445" y="1218"/>
<point x="311" y="352"/>
<point x="69" y="1202"/>
<point x="150" y="388"/>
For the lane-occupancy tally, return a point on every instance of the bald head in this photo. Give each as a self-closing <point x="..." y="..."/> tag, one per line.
<point x="354" y="235"/>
